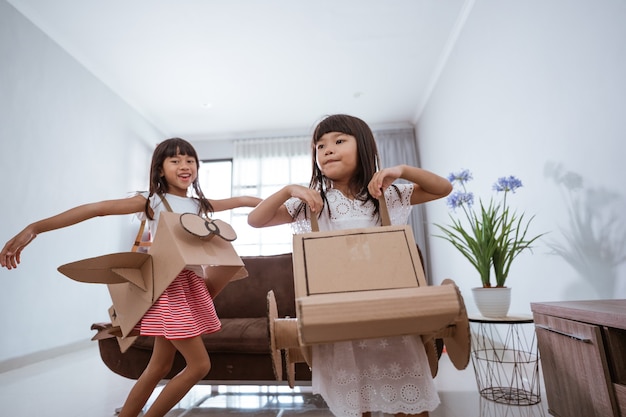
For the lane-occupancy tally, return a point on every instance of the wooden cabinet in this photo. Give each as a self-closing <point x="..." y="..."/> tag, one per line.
<point x="582" y="345"/>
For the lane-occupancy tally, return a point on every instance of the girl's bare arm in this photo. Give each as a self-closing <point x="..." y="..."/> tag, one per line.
<point x="10" y="256"/>
<point x="272" y="210"/>
<point x="428" y="185"/>
<point x="234" y="202"/>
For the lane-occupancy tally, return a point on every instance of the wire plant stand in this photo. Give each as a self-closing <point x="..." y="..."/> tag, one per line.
<point x="505" y="360"/>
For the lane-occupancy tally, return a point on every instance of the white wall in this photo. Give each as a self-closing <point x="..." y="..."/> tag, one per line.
<point x="66" y="140"/>
<point x="531" y="84"/>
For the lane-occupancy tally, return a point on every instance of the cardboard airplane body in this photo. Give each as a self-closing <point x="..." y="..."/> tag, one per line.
<point x="136" y="280"/>
<point x="365" y="283"/>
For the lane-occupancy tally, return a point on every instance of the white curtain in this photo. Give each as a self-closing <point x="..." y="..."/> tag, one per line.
<point x="260" y="168"/>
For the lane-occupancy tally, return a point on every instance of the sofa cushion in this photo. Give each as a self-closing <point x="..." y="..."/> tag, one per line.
<point x="242" y="335"/>
<point x="248" y="297"/>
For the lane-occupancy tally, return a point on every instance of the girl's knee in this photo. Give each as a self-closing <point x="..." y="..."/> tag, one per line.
<point x="198" y="369"/>
<point x="196" y="356"/>
<point x="201" y="368"/>
<point x="158" y="370"/>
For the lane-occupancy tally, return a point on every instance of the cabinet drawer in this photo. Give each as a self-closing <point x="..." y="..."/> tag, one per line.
<point x="575" y="368"/>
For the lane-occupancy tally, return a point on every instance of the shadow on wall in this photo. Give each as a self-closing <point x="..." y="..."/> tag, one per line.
<point x="594" y="239"/>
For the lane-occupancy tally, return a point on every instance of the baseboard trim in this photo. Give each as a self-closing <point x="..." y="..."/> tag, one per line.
<point x="43" y="355"/>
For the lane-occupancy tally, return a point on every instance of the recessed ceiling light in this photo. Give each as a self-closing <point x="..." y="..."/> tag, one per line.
<point x="207" y="105"/>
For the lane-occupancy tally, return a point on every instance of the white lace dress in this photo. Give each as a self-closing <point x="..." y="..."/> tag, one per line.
<point x="390" y="374"/>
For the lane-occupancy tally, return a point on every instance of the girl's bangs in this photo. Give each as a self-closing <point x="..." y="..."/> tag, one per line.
<point x="179" y="147"/>
<point x="335" y="123"/>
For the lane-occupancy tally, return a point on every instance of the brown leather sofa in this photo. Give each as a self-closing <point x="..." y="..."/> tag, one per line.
<point x="240" y="352"/>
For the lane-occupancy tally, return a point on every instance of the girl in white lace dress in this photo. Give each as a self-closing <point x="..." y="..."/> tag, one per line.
<point x="355" y="378"/>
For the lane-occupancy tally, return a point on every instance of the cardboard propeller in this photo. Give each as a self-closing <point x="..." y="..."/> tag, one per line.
<point x="136" y="280"/>
<point x="284" y="337"/>
<point x="207" y="228"/>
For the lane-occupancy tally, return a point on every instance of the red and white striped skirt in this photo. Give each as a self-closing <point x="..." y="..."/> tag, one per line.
<point x="184" y="310"/>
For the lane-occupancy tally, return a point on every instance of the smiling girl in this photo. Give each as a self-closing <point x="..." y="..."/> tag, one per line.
<point x="185" y="310"/>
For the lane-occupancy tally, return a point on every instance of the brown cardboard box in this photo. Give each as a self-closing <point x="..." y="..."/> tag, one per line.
<point x="366" y="283"/>
<point x="136" y="280"/>
<point x="356" y="260"/>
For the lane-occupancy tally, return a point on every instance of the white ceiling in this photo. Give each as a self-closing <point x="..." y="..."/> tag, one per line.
<point x="215" y="69"/>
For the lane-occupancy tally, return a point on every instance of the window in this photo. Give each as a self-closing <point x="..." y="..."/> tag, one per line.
<point x="262" y="167"/>
<point x="216" y="181"/>
<point x="216" y="178"/>
<point x="259" y="168"/>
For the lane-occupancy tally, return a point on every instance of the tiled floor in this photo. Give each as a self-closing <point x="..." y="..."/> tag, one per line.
<point x="80" y="385"/>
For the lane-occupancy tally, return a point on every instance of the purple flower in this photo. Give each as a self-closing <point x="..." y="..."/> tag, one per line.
<point x="507" y="184"/>
<point x="460" y="177"/>
<point x="491" y="236"/>
<point x="459" y="198"/>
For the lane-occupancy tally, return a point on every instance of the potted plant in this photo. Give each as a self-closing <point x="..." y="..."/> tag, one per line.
<point x="490" y="237"/>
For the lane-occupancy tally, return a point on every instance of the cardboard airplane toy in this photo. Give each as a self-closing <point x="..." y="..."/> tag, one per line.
<point x="375" y="289"/>
<point x="136" y="280"/>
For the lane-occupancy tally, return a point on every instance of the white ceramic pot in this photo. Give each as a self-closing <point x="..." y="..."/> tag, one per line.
<point x="492" y="302"/>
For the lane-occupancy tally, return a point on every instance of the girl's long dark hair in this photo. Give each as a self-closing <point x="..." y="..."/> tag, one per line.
<point x="167" y="149"/>
<point x="368" y="158"/>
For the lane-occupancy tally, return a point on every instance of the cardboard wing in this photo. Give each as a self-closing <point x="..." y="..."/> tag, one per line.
<point x="116" y="268"/>
<point x="365" y="283"/>
<point x="373" y="314"/>
<point x="136" y="280"/>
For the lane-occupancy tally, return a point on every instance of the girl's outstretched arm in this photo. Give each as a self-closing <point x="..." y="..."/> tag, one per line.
<point x="428" y="185"/>
<point x="272" y="210"/>
<point x="234" y="202"/>
<point x="10" y="256"/>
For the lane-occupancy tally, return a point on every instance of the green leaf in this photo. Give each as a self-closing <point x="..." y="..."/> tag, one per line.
<point x="492" y="236"/>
